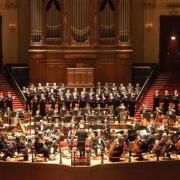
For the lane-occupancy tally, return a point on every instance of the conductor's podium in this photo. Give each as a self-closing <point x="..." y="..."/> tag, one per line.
<point x="75" y="158"/>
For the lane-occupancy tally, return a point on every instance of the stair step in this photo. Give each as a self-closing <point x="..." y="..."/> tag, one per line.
<point x="164" y="81"/>
<point x="6" y="87"/>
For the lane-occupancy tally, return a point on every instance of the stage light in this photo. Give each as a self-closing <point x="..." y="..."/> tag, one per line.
<point x="173" y="38"/>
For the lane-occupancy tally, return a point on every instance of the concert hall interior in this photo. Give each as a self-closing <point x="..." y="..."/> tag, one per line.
<point x="89" y="89"/>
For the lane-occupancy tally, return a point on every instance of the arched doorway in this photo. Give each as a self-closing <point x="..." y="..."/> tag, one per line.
<point x="169" y="43"/>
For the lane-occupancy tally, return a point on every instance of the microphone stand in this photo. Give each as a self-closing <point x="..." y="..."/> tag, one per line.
<point x="60" y="155"/>
<point x="31" y="137"/>
<point x="129" y="152"/>
<point x="102" y="156"/>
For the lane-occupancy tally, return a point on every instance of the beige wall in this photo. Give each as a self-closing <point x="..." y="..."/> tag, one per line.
<point x="138" y="30"/>
<point x="15" y="30"/>
<point x="24" y="30"/>
<point x="147" y="49"/>
<point x="9" y="32"/>
<point x="145" y="40"/>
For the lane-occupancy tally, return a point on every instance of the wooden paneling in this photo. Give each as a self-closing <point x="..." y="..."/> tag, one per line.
<point x="109" y="65"/>
<point x="165" y="170"/>
<point x="80" y="77"/>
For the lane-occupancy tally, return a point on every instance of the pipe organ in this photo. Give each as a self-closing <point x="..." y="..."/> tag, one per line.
<point x="80" y="33"/>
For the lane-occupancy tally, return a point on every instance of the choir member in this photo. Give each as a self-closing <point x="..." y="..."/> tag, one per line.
<point x="166" y="101"/>
<point x="156" y="100"/>
<point x="2" y="102"/>
<point x="42" y="105"/>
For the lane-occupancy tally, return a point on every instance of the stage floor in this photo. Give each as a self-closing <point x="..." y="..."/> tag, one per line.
<point x="93" y="161"/>
<point x="148" y="169"/>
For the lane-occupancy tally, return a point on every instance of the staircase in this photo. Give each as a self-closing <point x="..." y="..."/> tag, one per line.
<point x="5" y="87"/>
<point x="165" y="80"/>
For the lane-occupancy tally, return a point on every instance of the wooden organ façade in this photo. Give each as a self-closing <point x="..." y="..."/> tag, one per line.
<point x="94" y="34"/>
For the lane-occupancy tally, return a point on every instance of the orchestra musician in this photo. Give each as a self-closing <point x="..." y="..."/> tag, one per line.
<point x="175" y="101"/>
<point x="171" y="115"/>
<point x="21" y="147"/>
<point x="116" y="149"/>
<point x="8" y="148"/>
<point x="41" y="148"/>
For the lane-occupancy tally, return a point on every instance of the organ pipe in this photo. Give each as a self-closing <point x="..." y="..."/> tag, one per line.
<point x="79" y="16"/>
<point x="79" y="21"/>
<point x="124" y="21"/>
<point x="107" y="19"/>
<point x="36" y="21"/>
<point x="54" y="23"/>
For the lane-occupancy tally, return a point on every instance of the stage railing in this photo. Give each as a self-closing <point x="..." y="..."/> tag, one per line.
<point x="14" y="84"/>
<point x="147" y="83"/>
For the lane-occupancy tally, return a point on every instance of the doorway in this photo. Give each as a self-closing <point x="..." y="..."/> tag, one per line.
<point x="1" y="57"/>
<point x="169" y="43"/>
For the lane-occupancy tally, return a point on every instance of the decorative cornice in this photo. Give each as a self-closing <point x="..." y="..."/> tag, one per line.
<point x="11" y="4"/>
<point x="173" y="5"/>
<point x="149" y="4"/>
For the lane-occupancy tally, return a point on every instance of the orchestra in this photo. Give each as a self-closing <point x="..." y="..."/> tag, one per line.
<point x="76" y="117"/>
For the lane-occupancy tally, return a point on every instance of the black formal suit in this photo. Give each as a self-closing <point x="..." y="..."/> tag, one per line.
<point x="81" y="139"/>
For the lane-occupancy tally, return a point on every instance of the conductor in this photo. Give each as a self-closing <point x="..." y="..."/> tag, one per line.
<point x="81" y="139"/>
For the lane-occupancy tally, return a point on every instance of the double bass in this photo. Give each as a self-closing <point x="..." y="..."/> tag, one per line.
<point x="116" y="150"/>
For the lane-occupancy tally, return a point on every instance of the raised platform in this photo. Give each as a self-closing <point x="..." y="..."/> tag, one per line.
<point x="149" y="170"/>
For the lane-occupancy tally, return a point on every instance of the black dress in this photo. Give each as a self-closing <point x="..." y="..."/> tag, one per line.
<point x="42" y="107"/>
<point x="34" y="107"/>
<point x="155" y="102"/>
<point x="131" y="107"/>
<point x="166" y="101"/>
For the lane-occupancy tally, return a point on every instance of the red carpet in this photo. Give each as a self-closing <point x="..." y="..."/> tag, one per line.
<point x="165" y="80"/>
<point x="5" y="87"/>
